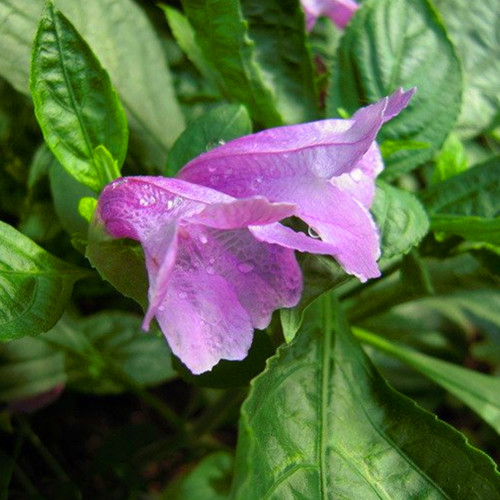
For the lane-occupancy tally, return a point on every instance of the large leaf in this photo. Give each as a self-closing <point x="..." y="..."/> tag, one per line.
<point x="34" y="286"/>
<point x="393" y="43"/>
<point x="320" y="422"/>
<point x="477" y="390"/>
<point x="473" y="27"/>
<point x="136" y="64"/>
<point x="401" y="219"/>
<point x="100" y="346"/>
<point x="75" y="103"/>
<point x="222" y="34"/>
<point x="219" y="125"/>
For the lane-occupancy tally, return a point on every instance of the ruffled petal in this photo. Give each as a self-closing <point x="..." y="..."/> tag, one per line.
<point x="339" y="11"/>
<point x="224" y="284"/>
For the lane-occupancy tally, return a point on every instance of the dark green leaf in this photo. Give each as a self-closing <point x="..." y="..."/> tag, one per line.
<point x="277" y="29"/>
<point x="7" y="465"/>
<point x="29" y="367"/>
<point x="34" y="286"/>
<point x="209" y="480"/>
<point x="475" y="192"/>
<point x="473" y="27"/>
<point x="401" y="219"/>
<point x="219" y="125"/>
<point x="393" y="43"/>
<point x="222" y="34"/>
<point x="471" y="228"/>
<point x="320" y="422"/>
<point x="75" y="103"/>
<point x="477" y="390"/>
<point x="93" y="344"/>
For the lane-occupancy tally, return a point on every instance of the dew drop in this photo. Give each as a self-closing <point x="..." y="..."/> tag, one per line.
<point x="203" y="238"/>
<point x="312" y="233"/>
<point x="210" y="270"/>
<point x="245" y="267"/>
<point x="161" y="308"/>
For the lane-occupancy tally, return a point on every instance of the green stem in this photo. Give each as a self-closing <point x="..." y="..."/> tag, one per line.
<point x="25" y="481"/>
<point x="42" y="450"/>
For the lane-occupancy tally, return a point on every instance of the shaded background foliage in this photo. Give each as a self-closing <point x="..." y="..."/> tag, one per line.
<point x="128" y="421"/>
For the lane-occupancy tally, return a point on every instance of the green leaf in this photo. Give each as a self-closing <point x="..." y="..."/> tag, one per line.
<point x="473" y="27"/>
<point x="477" y="390"/>
<point x="136" y="64"/>
<point x="219" y="125"/>
<point x="475" y="192"/>
<point x="400" y="43"/>
<point x="471" y="228"/>
<point x="401" y="219"/>
<point x="210" y="480"/>
<point x="113" y="339"/>
<point x="35" y="286"/>
<point x="277" y="29"/>
<point x="222" y="34"/>
<point x="111" y="256"/>
<point x="7" y="465"/>
<point x="450" y="161"/>
<point x="86" y="207"/>
<point x="320" y="274"/>
<point x="320" y="422"/>
<point x="29" y="367"/>
<point x="75" y="103"/>
<point x="186" y="38"/>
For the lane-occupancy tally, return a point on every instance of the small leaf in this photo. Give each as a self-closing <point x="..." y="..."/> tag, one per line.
<point x="35" y="286"/>
<point x="475" y="192"/>
<point x="219" y="125"/>
<point x="209" y="480"/>
<point x="450" y="161"/>
<point x="112" y="339"/>
<point x="75" y="103"/>
<point x="86" y="207"/>
<point x="401" y="219"/>
<point x="320" y="422"/>
<point x="477" y="390"/>
<point x="400" y="43"/>
<point x="29" y="367"/>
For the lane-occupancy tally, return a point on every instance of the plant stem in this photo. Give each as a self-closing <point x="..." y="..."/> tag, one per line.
<point x="42" y="450"/>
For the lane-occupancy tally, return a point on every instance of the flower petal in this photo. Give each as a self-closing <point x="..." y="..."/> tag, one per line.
<point x="257" y="164"/>
<point x="224" y="284"/>
<point x="339" y="11"/>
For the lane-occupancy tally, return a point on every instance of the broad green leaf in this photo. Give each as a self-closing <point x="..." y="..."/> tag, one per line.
<point x="222" y="34"/>
<point x="400" y="43"/>
<point x="450" y="161"/>
<point x="277" y="29"/>
<point x="136" y="64"/>
<point x="475" y="192"/>
<point x="209" y="480"/>
<point x="186" y="38"/>
<point x="219" y="125"/>
<point x="29" y="367"/>
<point x="401" y="219"/>
<point x="75" y="103"/>
<point x="478" y="391"/>
<point x="320" y="422"/>
<point x="473" y="27"/>
<point x="98" y="346"/>
<point x="34" y="286"/>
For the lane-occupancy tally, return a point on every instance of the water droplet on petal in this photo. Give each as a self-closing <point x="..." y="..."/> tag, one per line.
<point x="203" y="238"/>
<point x="312" y="233"/>
<point x="356" y="175"/>
<point x="245" y="267"/>
<point x="161" y="308"/>
<point x="210" y="270"/>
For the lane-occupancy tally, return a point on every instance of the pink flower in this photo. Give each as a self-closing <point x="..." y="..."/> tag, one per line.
<point x="339" y="11"/>
<point x="326" y="168"/>
<point x="211" y="282"/>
